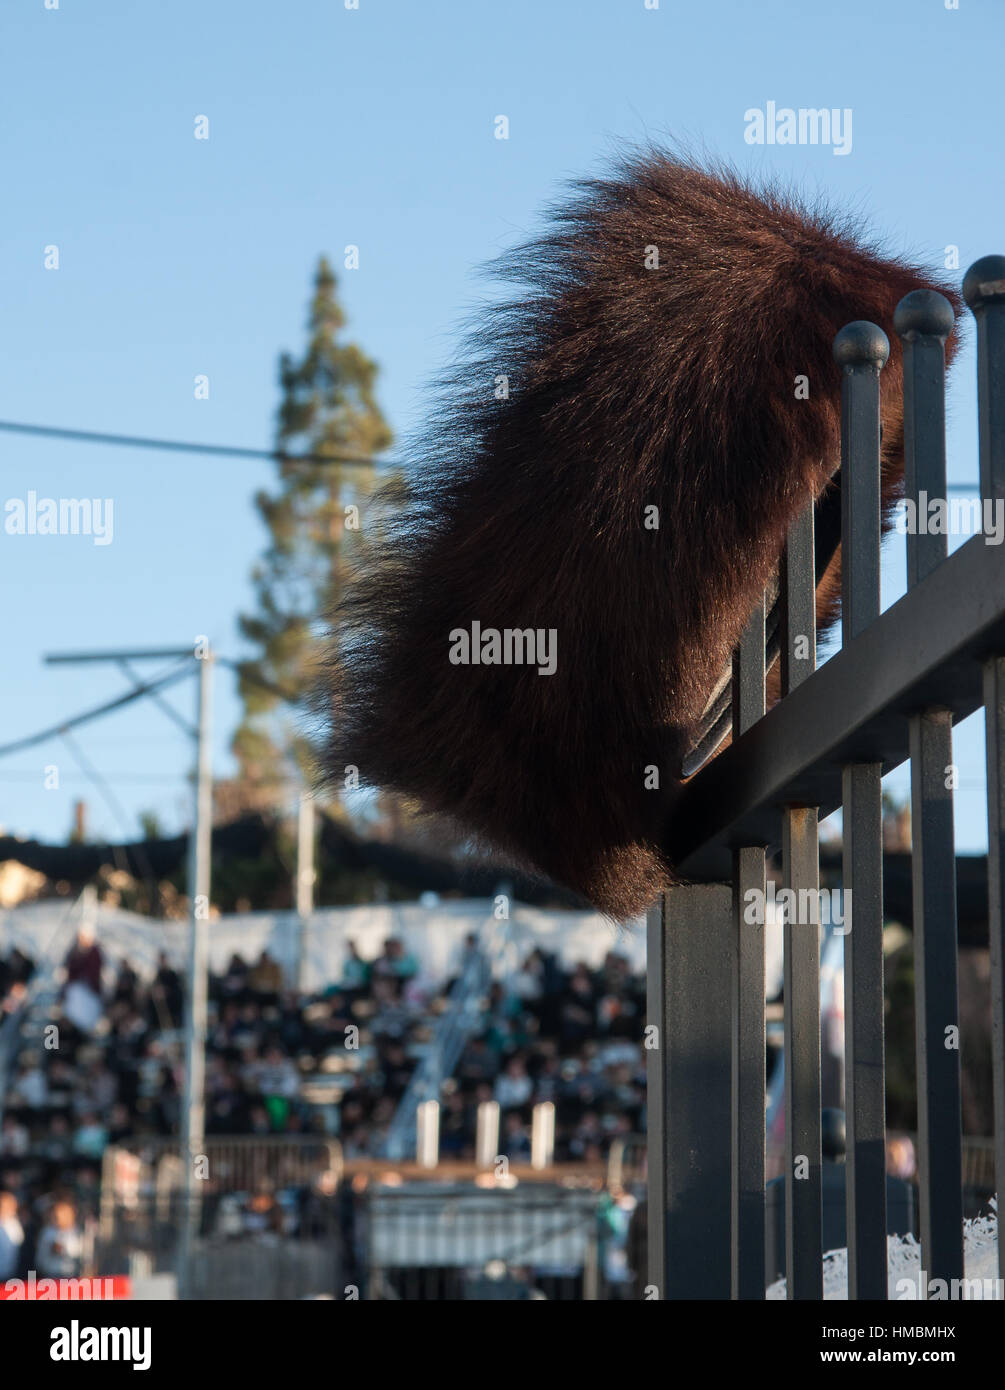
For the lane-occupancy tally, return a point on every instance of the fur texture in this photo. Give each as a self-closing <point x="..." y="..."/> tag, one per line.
<point x="630" y="388"/>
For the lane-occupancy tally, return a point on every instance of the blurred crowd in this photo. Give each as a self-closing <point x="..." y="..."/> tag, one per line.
<point x="104" y="1066"/>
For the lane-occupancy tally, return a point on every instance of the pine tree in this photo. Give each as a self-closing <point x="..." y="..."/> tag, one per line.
<point x="328" y="410"/>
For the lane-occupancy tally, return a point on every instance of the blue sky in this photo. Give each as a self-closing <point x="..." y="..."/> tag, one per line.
<point x="372" y="127"/>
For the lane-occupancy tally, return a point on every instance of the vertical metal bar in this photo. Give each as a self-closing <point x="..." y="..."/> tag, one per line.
<point x="923" y="321"/>
<point x="689" y="1163"/>
<point x="984" y="291"/>
<point x="655" y="1101"/>
<point x="803" y="1174"/>
<point x="862" y="350"/>
<point x="748" y="1057"/>
<point x="748" y="673"/>
<point x="936" y="995"/>
<point x="994" y="715"/>
<point x="865" y="1078"/>
<point x="748" y="1074"/>
<point x="803" y="1192"/>
<point x="799" y="612"/>
<point x="591" y="1267"/>
<point x="193" y="1102"/>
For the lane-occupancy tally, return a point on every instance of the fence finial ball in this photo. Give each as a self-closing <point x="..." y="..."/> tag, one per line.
<point x="984" y="282"/>
<point x="861" y="344"/>
<point x="924" y="314"/>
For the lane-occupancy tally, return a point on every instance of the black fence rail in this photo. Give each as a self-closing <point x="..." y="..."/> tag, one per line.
<point x="900" y="682"/>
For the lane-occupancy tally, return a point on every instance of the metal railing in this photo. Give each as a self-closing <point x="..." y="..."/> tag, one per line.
<point x="901" y="680"/>
<point x="434" y="1241"/>
<point x="266" y="1226"/>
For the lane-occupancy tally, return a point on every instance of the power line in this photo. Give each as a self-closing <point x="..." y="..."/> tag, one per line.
<point x="24" y="774"/>
<point x="180" y="446"/>
<point x="77" y="720"/>
<point x="150" y="687"/>
<point x="97" y="780"/>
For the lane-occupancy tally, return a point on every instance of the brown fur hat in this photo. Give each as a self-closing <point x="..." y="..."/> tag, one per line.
<point x="651" y="364"/>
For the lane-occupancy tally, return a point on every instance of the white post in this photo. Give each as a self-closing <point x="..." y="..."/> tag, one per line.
<point x="542" y="1135"/>
<point x="427" y="1133"/>
<point x="487" y="1134"/>
<point x="200" y="846"/>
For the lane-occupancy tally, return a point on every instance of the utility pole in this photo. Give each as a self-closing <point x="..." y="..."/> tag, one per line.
<point x="200" y="844"/>
<point x="193" y="1117"/>
<point x="305" y="881"/>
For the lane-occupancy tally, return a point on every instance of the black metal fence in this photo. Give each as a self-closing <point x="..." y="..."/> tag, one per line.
<point x="901" y="680"/>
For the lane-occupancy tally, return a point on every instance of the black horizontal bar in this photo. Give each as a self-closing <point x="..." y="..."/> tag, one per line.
<point x="925" y="651"/>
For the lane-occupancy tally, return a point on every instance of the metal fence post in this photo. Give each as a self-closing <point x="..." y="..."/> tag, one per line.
<point x="748" y="1049"/>
<point x="984" y="292"/>
<point x="803" y="1162"/>
<point x="923" y="321"/>
<point x="800" y="859"/>
<point x="861" y="350"/>
<point x="690" y="931"/>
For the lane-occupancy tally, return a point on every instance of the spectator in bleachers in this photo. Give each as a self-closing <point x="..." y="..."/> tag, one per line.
<point x="14" y="1138"/>
<point x="570" y="1037"/>
<point x="355" y="971"/>
<point x="11" y="1237"/>
<point x="514" y="1087"/>
<point x="515" y="1141"/>
<point x="60" y="1248"/>
<point x="477" y="1063"/>
<point x="16" y="969"/>
<point x="90" y="1138"/>
<point x="456" y="1133"/>
<point x="167" y="997"/>
<point x="81" y="993"/>
<point x="32" y="1085"/>
<point x="394" y="963"/>
<point x="57" y="1145"/>
<point x="266" y="979"/>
